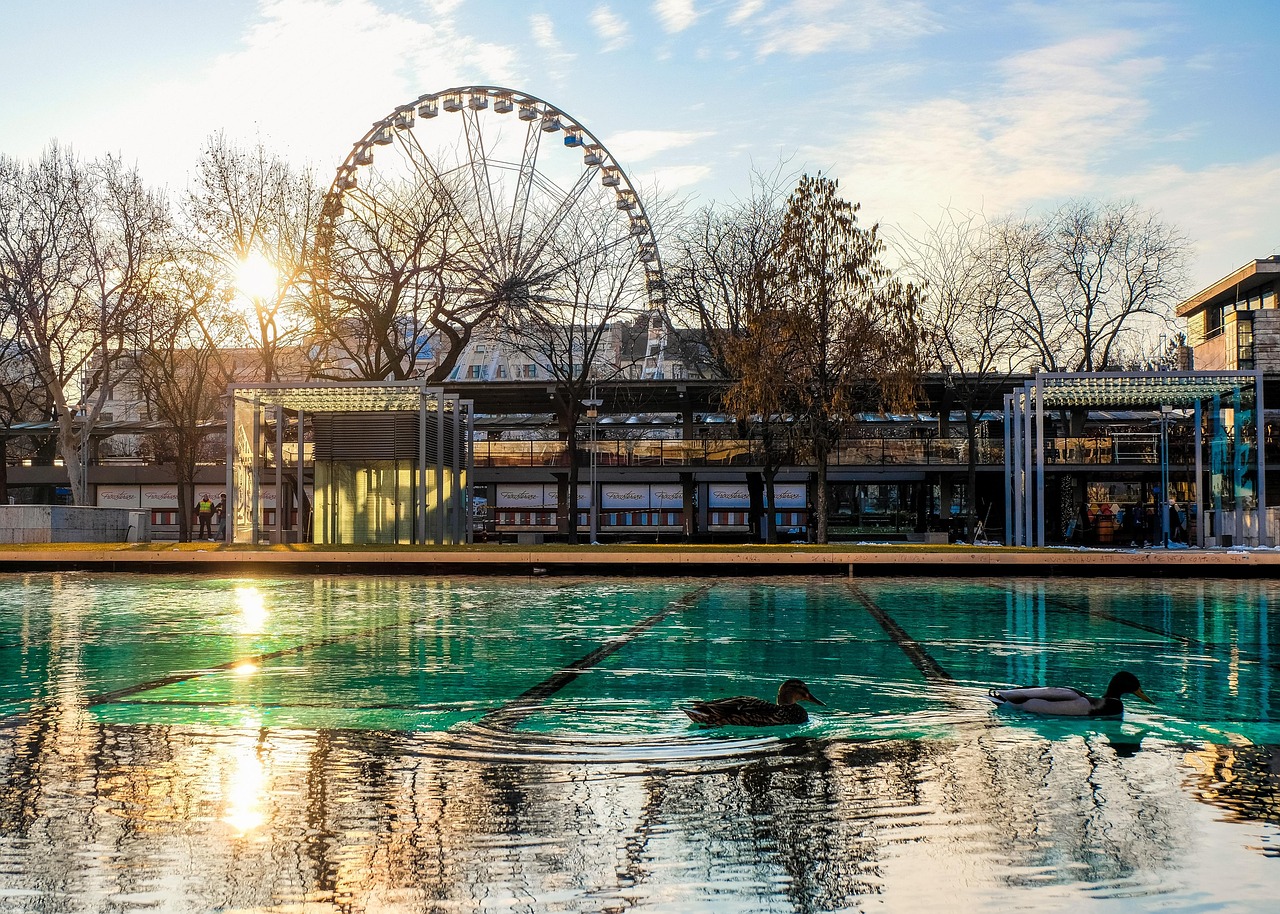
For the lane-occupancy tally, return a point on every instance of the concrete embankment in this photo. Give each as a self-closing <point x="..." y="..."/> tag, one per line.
<point x="643" y="560"/>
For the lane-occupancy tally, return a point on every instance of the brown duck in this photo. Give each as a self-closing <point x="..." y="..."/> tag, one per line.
<point x="745" y="711"/>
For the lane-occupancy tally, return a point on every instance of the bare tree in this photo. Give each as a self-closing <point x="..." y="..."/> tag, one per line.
<point x="720" y="253"/>
<point x="397" y="277"/>
<point x="21" y="394"/>
<point x="1089" y="277"/>
<point x="835" y="333"/>
<point x="245" y="204"/>
<point x="971" y="331"/>
<point x="573" y="321"/>
<point x="180" y="365"/>
<point x="79" y="250"/>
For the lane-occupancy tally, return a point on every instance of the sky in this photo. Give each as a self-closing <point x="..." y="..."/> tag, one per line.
<point x="916" y="106"/>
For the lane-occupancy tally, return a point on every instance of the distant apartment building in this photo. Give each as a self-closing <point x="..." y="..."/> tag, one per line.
<point x="1234" y="324"/>
<point x="635" y="351"/>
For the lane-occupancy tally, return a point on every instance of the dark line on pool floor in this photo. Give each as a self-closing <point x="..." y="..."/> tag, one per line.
<point x="1140" y="626"/>
<point x="526" y="703"/>
<point x="915" y="651"/>
<point x="174" y="679"/>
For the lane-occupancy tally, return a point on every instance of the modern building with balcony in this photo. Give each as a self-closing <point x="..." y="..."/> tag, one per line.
<point x="1234" y="324"/>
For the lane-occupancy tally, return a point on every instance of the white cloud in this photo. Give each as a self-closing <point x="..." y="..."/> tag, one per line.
<point x="1226" y="210"/>
<point x="674" y="177"/>
<point x="613" y="30"/>
<point x="554" y="56"/>
<point x="282" y="84"/>
<point x="1041" y="133"/>
<point x="804" y="27"/>
<point x="745" y="10"/>
<point x="675" y="15"/>
<point x="638" y="145"/>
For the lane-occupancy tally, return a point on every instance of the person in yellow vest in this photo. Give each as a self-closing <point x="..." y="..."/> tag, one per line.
<point x="204" y="513"/>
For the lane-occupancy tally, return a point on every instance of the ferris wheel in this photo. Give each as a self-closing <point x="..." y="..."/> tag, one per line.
<point x="520" y="174"/>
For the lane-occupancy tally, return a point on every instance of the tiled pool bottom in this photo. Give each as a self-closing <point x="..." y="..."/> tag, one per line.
<point x="395" y="744"/>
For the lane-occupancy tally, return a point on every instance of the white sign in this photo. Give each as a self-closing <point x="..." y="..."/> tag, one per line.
<point x="670" y="497"/>
<point x="728" y="495"/>
<point x="523" y="496"/>
<point x="584" y="496"/>
<point x="790" y="495"/>
<point x="165" y="497"/>
<point x="615" y="497"/>
<point x="119" y="497"/>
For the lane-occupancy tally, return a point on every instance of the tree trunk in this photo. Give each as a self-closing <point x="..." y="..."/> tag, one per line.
<point x="184" y="471"/>
<point x="770" y="511"/>
<point x="821" y="455"/>
<point x="755" y="506"/>
<point x="690" y="513"/>
<point x="72" y="459"/>
<point x="186" y="500"/>
<point x="971" y="477"/>
<point x="568" y="501"/>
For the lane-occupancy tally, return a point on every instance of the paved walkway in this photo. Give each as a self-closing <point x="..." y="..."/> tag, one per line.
<point x="660" y="560"/>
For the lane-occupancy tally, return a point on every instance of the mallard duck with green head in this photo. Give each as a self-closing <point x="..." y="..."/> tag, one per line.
<point x="1068" y="702"/>
<point x="745" y="711"/>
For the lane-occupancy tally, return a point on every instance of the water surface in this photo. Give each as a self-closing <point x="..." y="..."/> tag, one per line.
<point x="440" y="744"/>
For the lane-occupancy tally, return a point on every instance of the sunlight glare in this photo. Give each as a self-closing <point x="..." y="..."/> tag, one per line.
<point x="253" y="610"/>
<point x="245" y="791"/>
<point x="256" y="276"/>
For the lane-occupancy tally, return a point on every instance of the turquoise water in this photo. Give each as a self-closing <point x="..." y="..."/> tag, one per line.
<point x="409" y="744"/>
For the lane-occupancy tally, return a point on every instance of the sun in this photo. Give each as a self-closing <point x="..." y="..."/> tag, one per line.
<point x="256" y="276"/>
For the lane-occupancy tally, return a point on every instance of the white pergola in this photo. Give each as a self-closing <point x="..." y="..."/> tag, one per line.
<point x="1229" y="395"/>
<point x="258" y="416"/>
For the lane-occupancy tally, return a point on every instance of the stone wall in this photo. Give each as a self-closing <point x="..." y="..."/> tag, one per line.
<point x="1266" y="340"/>
<point x="66" y="524"/>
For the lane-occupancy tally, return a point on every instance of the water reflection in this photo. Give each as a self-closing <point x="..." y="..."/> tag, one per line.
<point x="1243" y="780"/>
<point x="93" y="815"/>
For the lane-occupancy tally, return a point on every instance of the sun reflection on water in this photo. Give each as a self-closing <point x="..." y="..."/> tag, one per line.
<point x="245" y="787"/>
<point x="253" y="610"/>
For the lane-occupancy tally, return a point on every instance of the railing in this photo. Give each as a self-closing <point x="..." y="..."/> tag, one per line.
<point x="1126" y="449"/>
<point x="730" y="452"/>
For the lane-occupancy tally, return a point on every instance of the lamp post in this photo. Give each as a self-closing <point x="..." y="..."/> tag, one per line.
<point x="593" y="416"/>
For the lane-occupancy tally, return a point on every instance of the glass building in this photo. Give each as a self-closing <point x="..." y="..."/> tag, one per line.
<point x="355" y="463"/>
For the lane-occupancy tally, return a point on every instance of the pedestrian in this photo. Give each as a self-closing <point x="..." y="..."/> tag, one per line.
<point x="1177" y="532"/>
<point x="221" y="512"/>
<point x="204" y="513"/>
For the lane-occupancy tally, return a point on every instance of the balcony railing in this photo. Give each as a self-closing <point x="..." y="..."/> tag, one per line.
<point x="664" y="452"/>
<point x="1128" y="449"/>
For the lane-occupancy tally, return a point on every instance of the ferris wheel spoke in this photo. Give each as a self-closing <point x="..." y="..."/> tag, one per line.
<point x="524" y="184"/>
<point x="565" y="265"/>
<point x="423" y="164"/>
<point x="566" y="205"/>
<point x="486" y="208"/>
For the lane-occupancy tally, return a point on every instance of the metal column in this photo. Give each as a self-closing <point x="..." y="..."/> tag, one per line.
<point x="277" y="533"/>
<point x="230" y="509"/>
<point x="1260" y="427"/>
<point x="421" y="518"/>
<point x="1028" y="473"/>
<point x="1039" y="439"/>
<point x="1199" y="446"/>
<point x="1008" y="475"/>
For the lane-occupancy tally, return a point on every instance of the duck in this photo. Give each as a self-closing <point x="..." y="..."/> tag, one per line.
<point x="745" y="711"/>
<point x="1068" y="702"/>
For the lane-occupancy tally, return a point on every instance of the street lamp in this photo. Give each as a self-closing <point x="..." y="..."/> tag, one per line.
<point x="593" y="416"/>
